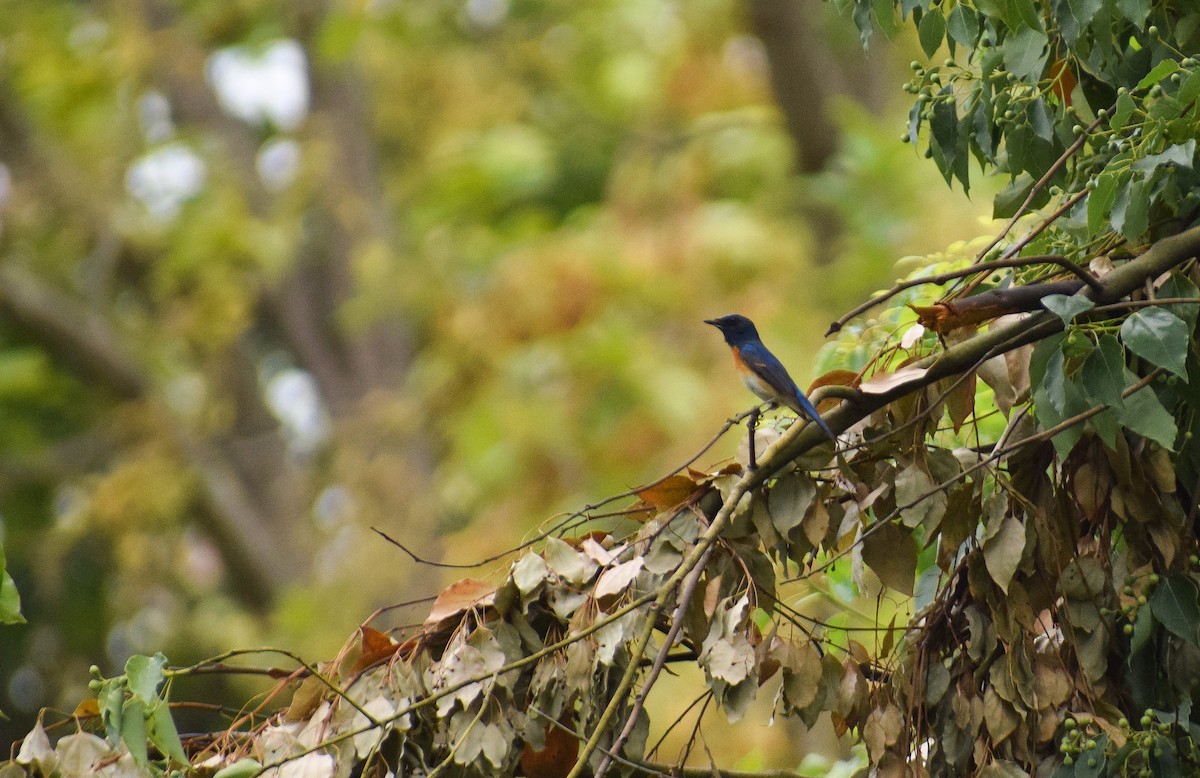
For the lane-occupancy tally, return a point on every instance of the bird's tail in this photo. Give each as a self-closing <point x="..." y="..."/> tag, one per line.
<point x="803" y="407"/>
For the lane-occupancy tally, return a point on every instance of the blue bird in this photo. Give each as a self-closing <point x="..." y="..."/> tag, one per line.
<point x="761" y="371"/>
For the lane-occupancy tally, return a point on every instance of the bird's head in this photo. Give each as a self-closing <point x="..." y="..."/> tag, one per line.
<point x="735" y="327"/>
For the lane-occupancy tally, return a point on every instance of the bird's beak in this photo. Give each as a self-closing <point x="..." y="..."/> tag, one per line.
<point x="713" y="322"/>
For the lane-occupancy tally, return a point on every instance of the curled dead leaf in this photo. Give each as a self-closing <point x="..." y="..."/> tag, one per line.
<point x="458" y="598"/>
<point x="882" y="384"/>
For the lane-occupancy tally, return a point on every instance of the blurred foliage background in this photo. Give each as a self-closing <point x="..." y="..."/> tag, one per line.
<point x="274" y="273"/>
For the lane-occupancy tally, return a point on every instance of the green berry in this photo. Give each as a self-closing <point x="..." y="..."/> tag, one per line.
<point x="1154" y="579"/>
<point x="947" y="63"/>
<point x="1128" y="629"/>
<point x="1141" y="599"/>
<point x="1092" y="761"/>
<point x="1091" y="744"/>
<point x="915" y="65"/>
<point x="1153" y="30"/>
<point x="905" y="138"/>
<point x="1068" y="761"/>
<point x="1069" y="724"/>
<point x="1123" y="723"/>
<point x="1146" y="721"/>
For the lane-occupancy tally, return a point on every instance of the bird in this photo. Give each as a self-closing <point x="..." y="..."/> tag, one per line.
<point x="762" y="373"/>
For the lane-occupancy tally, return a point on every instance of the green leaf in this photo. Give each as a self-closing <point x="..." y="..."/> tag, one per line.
<point x="1143" y="630"/>
<point x="133" y="730"/>
<point x="1180" y="154"/>
<point x="145" y="674"/>
<point x="1010" y="198"/>
<point x="932" y="30"/>
<point x="1135" y="11"/>
<point x="111" y="701"/>
<point x="1103" y="373"/>
<point x="1107" y="426"/>
<point x="862" y="20"/>
<point x="1189" y="90"/>
<point x="1158" y="336"/>
<point x="892" y="554"/>
<point x="1084" y="10"/>
<point x="10" y="598"/>
<point x="1176" y="603"/>
<point x="1090" y="762"/>
<point x="885" y="16"/>
<point x="963" y="25"/>
<point x="944" y="127"/>
<point x="163" y="733"/>
<point x="1131" y="212"/>
<point x="1123" y="111"/>
<point x="243" y="768"/>
<point x="1022" y="12"/>
<point x="1055" y="398"/>
<point x="1067" y="307"/>
<point x="1025" y="54"/>
<point x="1145" y="415"/>
<point x="1041" y="119"/>
<point x="1158" y="73"/>
<point x="1101" y="199"/>
<point x="1181" y="286"/>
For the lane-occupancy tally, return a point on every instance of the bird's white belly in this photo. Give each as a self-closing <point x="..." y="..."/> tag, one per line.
<point x="760" y="388"/>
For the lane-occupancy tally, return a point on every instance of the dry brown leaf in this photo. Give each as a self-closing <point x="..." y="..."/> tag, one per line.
<point x="87" y="709"/>
<point x="556" y="759"/>
<point x="459" y="597"/>
<point x="617" y="579"/>
<point x="960" y="402"/>
<point x="668" y="493"/>
<point x="882" y="384"/>
<point x="376" y="646"/>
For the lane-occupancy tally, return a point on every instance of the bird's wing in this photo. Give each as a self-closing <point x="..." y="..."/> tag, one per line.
<point x="765" y="364"/>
